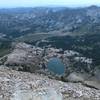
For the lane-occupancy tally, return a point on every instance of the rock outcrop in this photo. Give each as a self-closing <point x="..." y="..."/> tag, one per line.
<point x="24" y="57"/>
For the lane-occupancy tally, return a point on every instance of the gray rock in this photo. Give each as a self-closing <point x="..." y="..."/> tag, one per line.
<point x="75" y="77"/>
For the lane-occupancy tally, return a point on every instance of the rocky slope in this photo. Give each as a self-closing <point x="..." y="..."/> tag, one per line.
<point x="16" y="85"/>
<point x="34" y="59"/>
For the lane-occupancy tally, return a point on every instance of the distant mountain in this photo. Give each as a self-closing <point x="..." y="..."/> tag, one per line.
<point x="18" y="21"/>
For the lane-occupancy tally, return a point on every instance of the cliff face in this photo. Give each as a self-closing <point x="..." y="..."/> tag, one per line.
<point x="16" y="85"/>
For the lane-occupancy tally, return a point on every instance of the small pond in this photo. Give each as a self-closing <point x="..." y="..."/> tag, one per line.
<point x="55" y="65"/>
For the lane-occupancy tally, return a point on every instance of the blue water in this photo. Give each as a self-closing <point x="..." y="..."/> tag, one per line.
<point x="55" y="65"/>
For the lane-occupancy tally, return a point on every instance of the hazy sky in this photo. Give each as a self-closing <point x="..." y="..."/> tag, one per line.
<point x="32" y="3"/>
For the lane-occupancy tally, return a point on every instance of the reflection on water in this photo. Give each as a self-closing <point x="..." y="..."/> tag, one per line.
<point x="55" y="65"/>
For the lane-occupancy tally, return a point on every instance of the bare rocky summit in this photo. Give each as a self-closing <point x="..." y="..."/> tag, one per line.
<point x="15" y="85"/>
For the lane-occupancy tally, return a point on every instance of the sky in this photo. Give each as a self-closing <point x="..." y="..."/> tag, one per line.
<point x="34" y="3"/>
